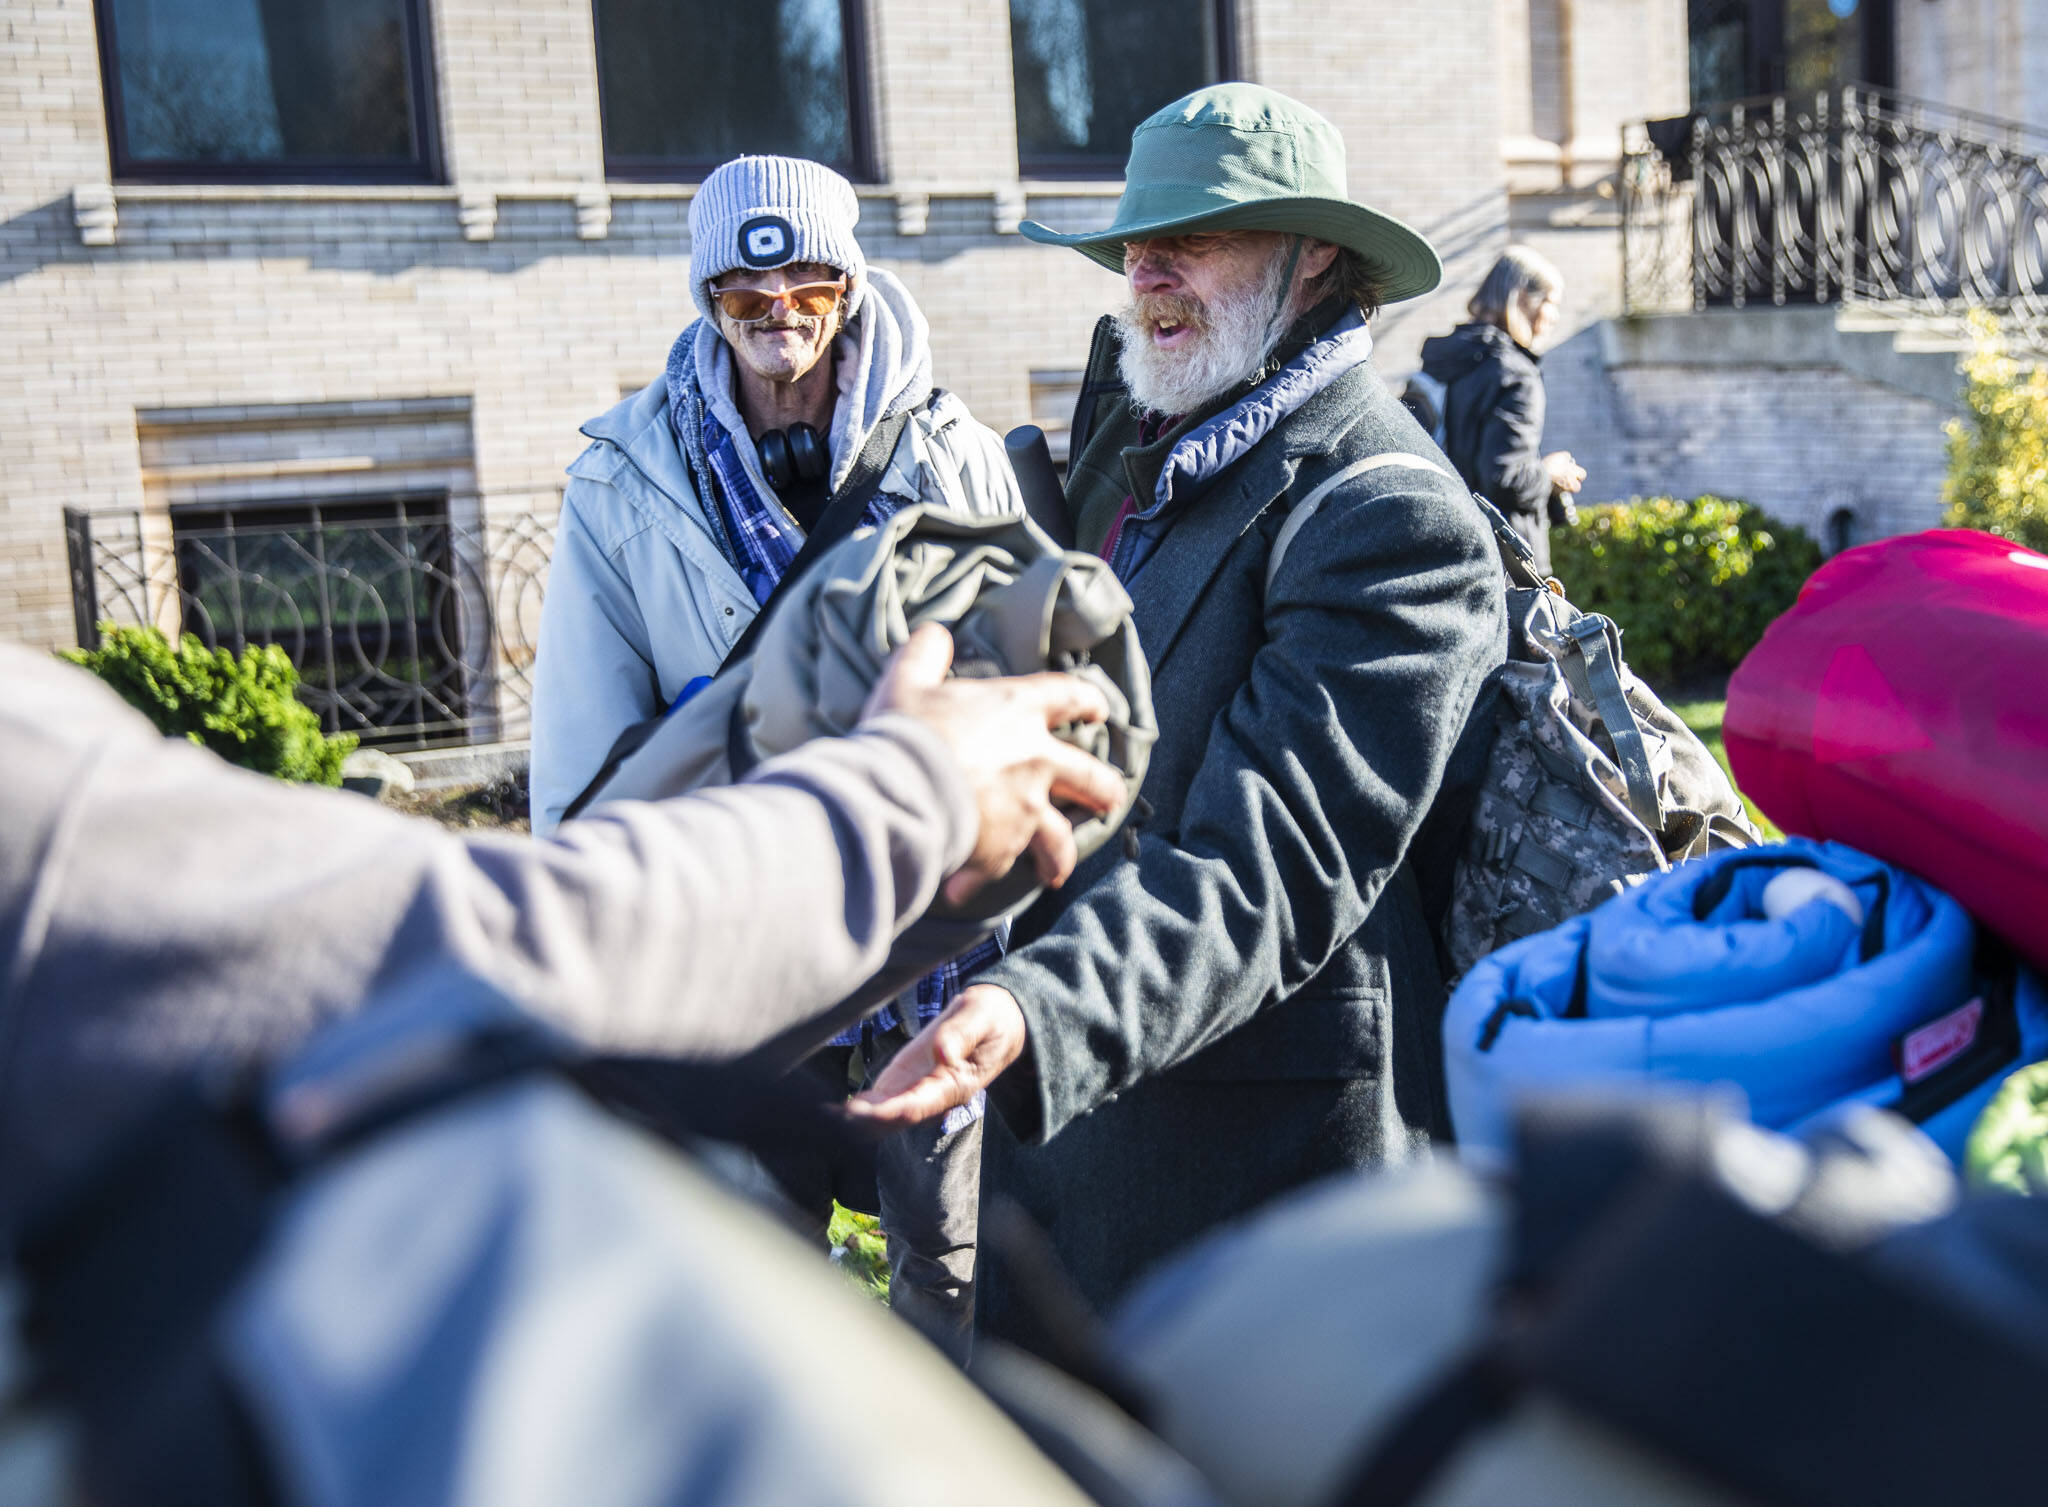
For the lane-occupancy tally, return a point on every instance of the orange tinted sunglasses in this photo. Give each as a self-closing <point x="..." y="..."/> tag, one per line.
<point x="749" y="305"/>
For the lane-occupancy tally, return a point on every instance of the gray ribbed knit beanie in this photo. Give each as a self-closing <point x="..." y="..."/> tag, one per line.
<point x="768" y="211"/>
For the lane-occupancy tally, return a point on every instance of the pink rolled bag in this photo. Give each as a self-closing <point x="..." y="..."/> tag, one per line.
<point x="1901" y="706"/>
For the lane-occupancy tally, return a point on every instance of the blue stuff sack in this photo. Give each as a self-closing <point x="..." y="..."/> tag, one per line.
<point x="1683" y="979"/>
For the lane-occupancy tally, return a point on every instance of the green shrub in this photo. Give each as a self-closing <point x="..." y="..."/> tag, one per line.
<point x="243" y="709"/>
<point x="1998" y="450"/>
<point x="1693" y="584"/>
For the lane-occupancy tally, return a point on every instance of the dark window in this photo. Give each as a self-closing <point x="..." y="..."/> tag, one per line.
<point x="1842" y="530"/>
<point x="1829" y="43"/>
<point x="1087" y="71"/>
<point x="267" y="89"/>
<point x="373" y="599"/>
<point x="1722" y="51"/>
<point x="1743" y="48"/>
<point x="688" y="84"/>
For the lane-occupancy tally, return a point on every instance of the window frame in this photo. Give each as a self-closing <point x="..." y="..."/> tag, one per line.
<point x="1082" y="166"/>
<point x="320" y="664"/>
<point x="860" y="124"/>
<point x="426" y="166"/>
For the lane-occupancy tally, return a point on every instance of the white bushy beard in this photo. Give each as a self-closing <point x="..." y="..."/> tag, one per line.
<point x="1234" y="334"/>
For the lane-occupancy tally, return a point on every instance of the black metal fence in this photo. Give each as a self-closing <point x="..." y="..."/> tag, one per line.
<point x="411" y="624"/>
<point x="1854" y="196"/>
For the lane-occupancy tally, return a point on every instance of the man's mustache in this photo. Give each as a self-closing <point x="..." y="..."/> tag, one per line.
<point x="1154" y="310"/>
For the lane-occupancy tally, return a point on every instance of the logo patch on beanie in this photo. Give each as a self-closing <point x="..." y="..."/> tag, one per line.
<point x="765" y="241"/>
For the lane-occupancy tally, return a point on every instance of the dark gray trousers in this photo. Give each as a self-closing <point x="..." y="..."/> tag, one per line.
<point x="929" y="1181"/>
<point x="924" y="1182"/>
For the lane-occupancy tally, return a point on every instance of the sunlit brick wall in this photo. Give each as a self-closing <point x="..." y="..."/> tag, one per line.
<point x="538" y="292"/>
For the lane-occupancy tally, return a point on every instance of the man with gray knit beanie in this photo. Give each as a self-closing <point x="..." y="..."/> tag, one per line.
<point x="802" y="400"/>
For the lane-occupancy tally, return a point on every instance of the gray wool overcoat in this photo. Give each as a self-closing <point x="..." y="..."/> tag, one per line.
<point x="1254" y="1000"/>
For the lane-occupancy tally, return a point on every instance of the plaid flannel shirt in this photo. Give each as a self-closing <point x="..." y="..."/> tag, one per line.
<point x="767" y="541"/>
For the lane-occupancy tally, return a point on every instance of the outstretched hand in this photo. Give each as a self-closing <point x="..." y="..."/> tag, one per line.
<point x="948" y="1062"/>
<point x="1000" y="735"/>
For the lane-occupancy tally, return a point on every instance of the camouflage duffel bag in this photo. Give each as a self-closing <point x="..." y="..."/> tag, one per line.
<point x="1592" y="783"/>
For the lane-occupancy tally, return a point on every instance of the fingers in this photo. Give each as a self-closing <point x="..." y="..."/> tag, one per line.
<point x="926" y="655"/>
<point x="1053" y="853"/>
<point x="928" y="1099"/>
<point x="920" y="664"/>
<point x="1062" y="698"/>
<point x="948" y="1062"/>
<point x="909" y="1067"/>
<point x="963" y="886"/>
<point x="917" y="1083"/>
<point x="1080" y="779"/>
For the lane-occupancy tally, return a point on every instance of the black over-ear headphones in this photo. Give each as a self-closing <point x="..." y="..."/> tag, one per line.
<point x="792" y="455"/>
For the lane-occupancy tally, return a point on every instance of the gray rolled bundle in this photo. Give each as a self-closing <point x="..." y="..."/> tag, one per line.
<point x="1015" y="602"/>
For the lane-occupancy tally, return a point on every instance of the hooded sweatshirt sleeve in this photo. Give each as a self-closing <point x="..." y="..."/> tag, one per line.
<point x="160" y="908"/>
<point x="1508" y="458"/>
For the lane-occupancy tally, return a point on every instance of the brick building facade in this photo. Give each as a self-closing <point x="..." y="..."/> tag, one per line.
<point x="225" y="344"/>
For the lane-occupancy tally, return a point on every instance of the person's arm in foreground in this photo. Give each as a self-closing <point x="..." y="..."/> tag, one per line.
<point x="1313" y="782"/>
<point x="195" y="906"/>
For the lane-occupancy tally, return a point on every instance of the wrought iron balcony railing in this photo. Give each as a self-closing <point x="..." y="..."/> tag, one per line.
<point x="1854" y="196"/>
<point x="410" y="624"/>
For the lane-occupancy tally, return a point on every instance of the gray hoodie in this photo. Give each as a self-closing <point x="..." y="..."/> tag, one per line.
<point x="160" y="909"/>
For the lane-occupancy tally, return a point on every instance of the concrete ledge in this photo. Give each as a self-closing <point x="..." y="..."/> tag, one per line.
<point x="452" y="768"/>
<point x="1786" y="338"/>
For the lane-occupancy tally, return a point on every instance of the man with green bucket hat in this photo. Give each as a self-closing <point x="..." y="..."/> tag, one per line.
<point x="1247" y="996"/>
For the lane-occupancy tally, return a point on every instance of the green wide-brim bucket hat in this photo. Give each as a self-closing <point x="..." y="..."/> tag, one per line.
<point x="1241" y="157"/>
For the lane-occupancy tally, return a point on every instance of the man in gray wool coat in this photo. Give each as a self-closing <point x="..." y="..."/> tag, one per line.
<point x="1252" y="999"/>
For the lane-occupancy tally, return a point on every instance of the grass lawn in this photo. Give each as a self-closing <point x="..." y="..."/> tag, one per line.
<point x="860" y="1251"/>
<point x="1704" y="717"/>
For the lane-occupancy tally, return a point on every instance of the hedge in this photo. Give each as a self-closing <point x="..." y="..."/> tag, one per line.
<point x="1692" y="584"/>
<point x="246" y="710"/>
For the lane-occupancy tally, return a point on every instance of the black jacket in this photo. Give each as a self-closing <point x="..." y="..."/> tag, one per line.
<point x="1493" y="423"/>
<point x="1254" y="1000"/>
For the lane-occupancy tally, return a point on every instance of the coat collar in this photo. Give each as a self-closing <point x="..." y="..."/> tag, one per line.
<point x="1164" y="595"/>
<point x="638" y="428"/>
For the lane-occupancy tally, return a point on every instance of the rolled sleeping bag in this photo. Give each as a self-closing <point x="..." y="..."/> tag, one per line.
<point x="1016" y="604"/>
<point x="1898" y="707"/>
<point x="1686" y="979"/>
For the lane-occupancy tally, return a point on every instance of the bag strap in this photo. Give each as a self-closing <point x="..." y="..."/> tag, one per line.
<point x="841" y="517"/>
<point x="1592" y="663"/>
<point x="1592" y="659"/>
<point x="1657" y="1334"/>
<point x="1304" y="510"/>
<point x="1517" y="560"/>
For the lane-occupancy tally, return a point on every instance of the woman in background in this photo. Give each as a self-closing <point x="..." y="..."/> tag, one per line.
<point x="1493" y="398"/>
